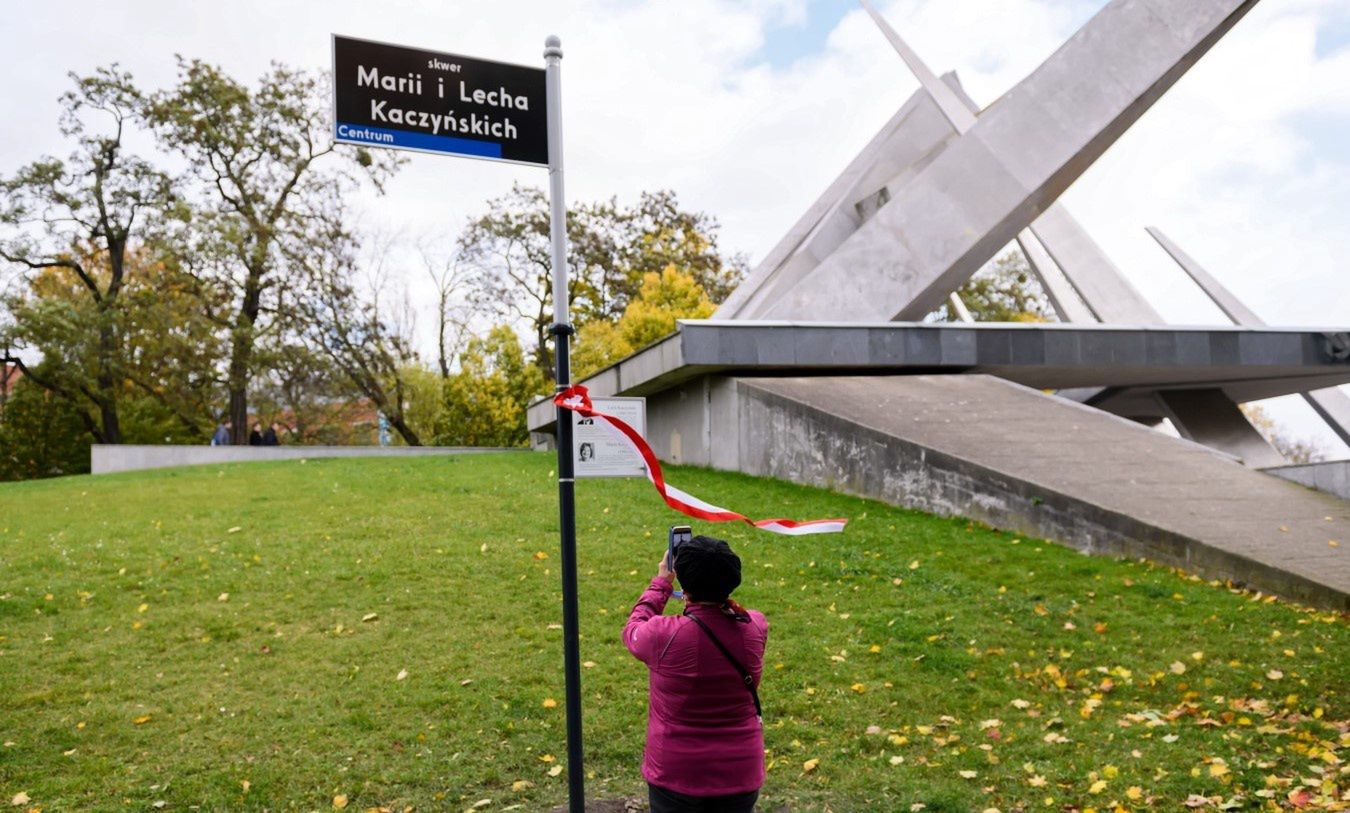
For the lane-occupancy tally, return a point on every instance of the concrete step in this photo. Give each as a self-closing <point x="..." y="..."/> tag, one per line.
<point x="1017" y="458"/>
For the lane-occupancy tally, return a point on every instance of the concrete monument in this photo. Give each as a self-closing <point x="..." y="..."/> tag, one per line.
<point x="820" y="368"/>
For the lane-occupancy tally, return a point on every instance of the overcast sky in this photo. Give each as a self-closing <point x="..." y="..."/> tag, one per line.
<point x="748" y="108"/>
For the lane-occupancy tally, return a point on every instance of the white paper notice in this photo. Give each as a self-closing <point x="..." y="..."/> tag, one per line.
<point x="598" y="450"/>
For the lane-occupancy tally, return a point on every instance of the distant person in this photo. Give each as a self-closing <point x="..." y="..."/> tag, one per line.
<point x="705" y="737"/>
<point x="270" y="436"/>
<point x="255" y="436"/>
<point x="222" y="436"/>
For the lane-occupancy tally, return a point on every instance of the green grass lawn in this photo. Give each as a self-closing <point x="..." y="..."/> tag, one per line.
<point x="273" y="636"/>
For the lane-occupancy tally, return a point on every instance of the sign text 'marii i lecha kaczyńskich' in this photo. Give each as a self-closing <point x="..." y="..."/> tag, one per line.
<point x="408" y="98"/>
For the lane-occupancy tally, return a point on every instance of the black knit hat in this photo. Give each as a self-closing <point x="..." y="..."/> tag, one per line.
<point x="707" y="568"/>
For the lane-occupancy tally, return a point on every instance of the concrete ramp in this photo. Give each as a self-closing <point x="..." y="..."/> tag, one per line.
<point x="1019" y="459"/>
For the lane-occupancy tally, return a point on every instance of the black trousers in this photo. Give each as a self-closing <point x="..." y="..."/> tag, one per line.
<point x="668" y="801"/>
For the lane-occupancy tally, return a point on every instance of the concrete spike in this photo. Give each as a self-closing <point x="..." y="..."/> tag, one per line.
<point x="1065" y="244"/>
<point x="1333" y="406"/>
<point x="956" y="112"/>
<point x="1231" y="306"/>
<point x="962" y="312"/>
<point x="1063" y="297"/>
<point x="1021" y="154"/>
<point x="1101" y="284"/>
<point x="909" y="140"/>
<point x="827" y="201"/>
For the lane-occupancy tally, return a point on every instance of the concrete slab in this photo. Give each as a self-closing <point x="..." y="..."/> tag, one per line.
<point x="1247" y="364"/>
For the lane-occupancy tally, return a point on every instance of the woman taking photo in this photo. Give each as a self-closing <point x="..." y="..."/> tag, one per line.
<point x="705" y="739"/>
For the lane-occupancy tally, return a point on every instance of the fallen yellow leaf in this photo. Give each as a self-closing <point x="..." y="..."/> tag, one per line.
<point x="340" y="801"/>
<point x="810" y="765"/>
<point x="550" y="703"/>
<point x="142" y="720"/>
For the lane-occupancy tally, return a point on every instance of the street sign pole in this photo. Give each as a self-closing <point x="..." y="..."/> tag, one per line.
<point x="562" y="330"/>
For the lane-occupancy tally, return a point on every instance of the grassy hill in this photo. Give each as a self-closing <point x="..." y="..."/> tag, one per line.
<point x="281" y="636"/>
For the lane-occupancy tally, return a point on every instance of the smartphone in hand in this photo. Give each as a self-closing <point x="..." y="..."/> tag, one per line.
<point x="679" y="534"/>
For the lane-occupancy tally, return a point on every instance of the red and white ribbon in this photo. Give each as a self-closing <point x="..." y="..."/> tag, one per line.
<point x="577" y="399"/>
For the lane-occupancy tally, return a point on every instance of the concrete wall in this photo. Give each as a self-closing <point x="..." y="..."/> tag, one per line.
<point x="728" y="423"/>
<point x="105" y="459"/>
<point x="1333" y="476"/>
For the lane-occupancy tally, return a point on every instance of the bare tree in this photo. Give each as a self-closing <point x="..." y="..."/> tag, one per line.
<point x="371" y="346"/>
<point x="450" y="277"/>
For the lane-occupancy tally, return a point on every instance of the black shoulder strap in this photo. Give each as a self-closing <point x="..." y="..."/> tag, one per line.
<point x="747" y="678"/>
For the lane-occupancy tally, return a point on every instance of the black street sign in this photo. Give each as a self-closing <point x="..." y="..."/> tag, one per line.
<point x="412" y="99"/>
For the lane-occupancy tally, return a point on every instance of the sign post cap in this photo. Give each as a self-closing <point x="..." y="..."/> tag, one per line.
<point x="552" y="46"/>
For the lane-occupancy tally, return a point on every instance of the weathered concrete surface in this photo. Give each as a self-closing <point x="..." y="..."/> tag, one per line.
<point x="1332" y="476"/>
<point x="105" y="459"/>
<point x="1018" y="459"/>
<point x="1022" y="153"/>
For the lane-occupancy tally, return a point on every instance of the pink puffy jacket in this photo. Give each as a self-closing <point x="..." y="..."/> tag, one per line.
<point x="703" y="737"/>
